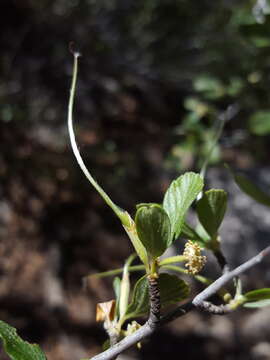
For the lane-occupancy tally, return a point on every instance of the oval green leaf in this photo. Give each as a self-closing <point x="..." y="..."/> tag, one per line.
<point x="16" y="347"/>
<point x="172" y="290"/>
<point x="211" y="209"/>
<point x="178" y="198"/>
<point x="153" y="228"/>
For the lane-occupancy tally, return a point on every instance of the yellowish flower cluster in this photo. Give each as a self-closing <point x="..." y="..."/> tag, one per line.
<point x="195" y="260"/>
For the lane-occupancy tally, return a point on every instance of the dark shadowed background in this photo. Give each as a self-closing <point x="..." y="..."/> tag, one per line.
<point x="154" y="77"/>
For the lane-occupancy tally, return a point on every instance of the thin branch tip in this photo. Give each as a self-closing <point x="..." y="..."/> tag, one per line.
<point x="74" y="52"/>
<point x="266" y="251"/>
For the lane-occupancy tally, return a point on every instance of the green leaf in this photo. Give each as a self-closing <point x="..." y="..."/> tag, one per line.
<point x="116" y="287"/>
<point x="140" y="300"/>
<point x="251" y="189"/>
<point x="138" y="246"/>
<point x="257" y="298"/>
<point x="178" y="198"/>
<point x="259" y="123"/>
<point x="172" y="290"/>
<point x="153" y="228"/>
<point x="16" y="348"/>
<point x="210" y="86"/>
<point x="258" y="304"/>
<point x="260" y="294"/>
<point x="191" y="234"/>
<point x="211" y="209"/>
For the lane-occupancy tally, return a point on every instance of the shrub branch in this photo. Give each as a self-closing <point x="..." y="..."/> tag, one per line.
<point x="198" y="302"/>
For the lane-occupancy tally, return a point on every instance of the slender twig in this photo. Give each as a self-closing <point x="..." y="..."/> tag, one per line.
<point x="114" y="272"/>
<point x="224" y="117"/>
<point x="215" y="309"/>
<point x="213" y="288"/>
<point x="146" y="330"/>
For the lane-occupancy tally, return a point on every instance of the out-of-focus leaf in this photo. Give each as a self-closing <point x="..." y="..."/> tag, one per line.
<point x="257" y="298"/>
<point x="211" y="209"/>
<point x="210" y="86"/>
<point x="260" y="294"/>
<point x="16" y="348"/>
<point x="197" y="107"/>
<point x="153" y="228"/>
<point x="178" y="198"/>
<point x="259" y="123"/>
<point x="257" y="304"/>
<point x="235" y="86"/>
<point x="116" y="286"/>
<point x="251" y="189"/>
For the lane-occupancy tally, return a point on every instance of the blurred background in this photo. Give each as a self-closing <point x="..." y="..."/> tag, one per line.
<point x="154" y="77"/>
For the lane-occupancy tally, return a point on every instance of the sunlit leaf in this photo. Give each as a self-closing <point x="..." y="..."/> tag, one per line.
<point x="211" y="209"/>
<point x="153" y="228"/>
<point x="16" y="348"/>
<point x="178" y="198"/>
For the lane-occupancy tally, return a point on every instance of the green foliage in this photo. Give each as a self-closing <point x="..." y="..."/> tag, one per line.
<point x="172" y="290"/>
<point x="16" y="348"/>
<point x="258" y="304"/>
<point x="140" y="299"/>
<point x="257" y="298"/>
<point x="179" y="197"/>
<point x="259" y="123"/>
<point x="153" y="228"/>
<point x="211" y="209"/>
<point x="251" y="189"/>
<point x="191" y="234"/>
<point x="210" y="86"/>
